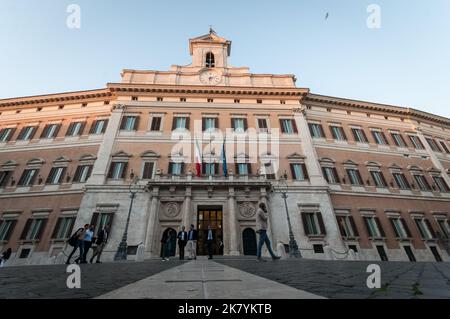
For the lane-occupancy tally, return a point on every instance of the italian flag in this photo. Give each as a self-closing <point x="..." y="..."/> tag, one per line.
<point x="198" y="158"/>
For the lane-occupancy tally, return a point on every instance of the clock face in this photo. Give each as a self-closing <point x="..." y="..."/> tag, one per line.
<point x="210" y="78"/>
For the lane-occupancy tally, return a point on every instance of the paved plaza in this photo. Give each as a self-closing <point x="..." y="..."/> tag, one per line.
<point x="229" y="277"/>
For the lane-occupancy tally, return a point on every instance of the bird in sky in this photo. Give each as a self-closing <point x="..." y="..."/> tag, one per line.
<point x="327" y="15"/>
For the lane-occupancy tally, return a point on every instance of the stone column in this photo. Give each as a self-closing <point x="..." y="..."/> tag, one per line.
<point x="311" y="158"/>
<point x="434" y="159"/>
<point x="233" y="225"/>
<point x="100" y="169"/>
<point x="187" y="211"/>
<point x="151" y="221"/>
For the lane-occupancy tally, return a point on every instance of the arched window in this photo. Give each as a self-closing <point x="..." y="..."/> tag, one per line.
<point x="210" y="63"/>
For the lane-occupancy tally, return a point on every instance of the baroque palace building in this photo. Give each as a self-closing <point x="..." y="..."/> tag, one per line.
<point x="362" y="177"/>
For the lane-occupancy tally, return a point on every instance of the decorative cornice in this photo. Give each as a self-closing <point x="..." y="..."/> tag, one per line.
<point x="57" y="98"/>
<point x="376" y="107"/>
<point x="195" y="89"/>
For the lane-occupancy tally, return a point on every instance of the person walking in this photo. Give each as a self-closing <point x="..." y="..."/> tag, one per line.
<point x="5" y="256"/>
<point x="165" y="245"/>
<point x="77" y="241"/>
<point x="261" y="220"/>
<point x="182" y="241"/>
<point x="87" y="243"/>
<point x="192" y="243"/>
<point x="102" y="239"/>
<point x="210" y="241"/>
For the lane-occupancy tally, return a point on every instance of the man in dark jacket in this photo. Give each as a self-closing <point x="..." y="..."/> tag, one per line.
<point x="210" y="241"/>
<point x="182" y="241"/>
<point x="102" y="239"/>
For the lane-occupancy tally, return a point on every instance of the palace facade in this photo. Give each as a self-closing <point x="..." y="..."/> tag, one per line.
<point x="365" y="181"/>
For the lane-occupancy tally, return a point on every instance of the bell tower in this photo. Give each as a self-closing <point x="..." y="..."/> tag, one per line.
<point x="210" y="51"/>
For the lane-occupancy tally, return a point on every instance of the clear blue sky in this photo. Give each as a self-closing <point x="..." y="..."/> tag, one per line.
<point x="405" y="63"/>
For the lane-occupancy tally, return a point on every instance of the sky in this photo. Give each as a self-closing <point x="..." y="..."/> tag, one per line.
<point x="405" y="62"/>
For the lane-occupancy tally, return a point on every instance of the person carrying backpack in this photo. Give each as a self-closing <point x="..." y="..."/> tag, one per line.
<point x="77" y="241"/>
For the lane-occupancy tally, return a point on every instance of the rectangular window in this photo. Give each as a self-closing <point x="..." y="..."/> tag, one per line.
<point x="398" y="139"/>
<point x="82" y="173"/>
<point x="63" y="228"/>
<point x="210" y="168"/>
<point x="262" y="125"/>
<point x="210" y="123"/>
<point x="56" y="175"/>
<point x="27" y="133"/>
<point x="4" y="178"/>
<point x="299" y="172"/>
<point x="75" y="129"/>
<point x="117" y="170"/>
<point x="180" y="123"/>
<point x="398" y="227"/>
<point x="147" y="173"/>
<point x="176" y="168"/>
<point x="243" y="168"/>
<point x="6" y="134"/>
<point x="331" y="175"/>
<point x="374" y="228"/>
<point x="441" y="184"/>
<point x="239" y="124"/>
<point x="99" y="127"/>
<point x="28" y="177"/>
<point x="416" y="142"/>
<point x="422" y="182"/>
<point x="33" y="229"/>
<point x="378" y="179"/>
<point x="6" y="229"/>
<point x="347" y="226"/>
<point x="50" y="131"/>
<point x="445" y="147"/>
<point x="100" y="220"/>
<point x="129" y="123"/>
<point x="360" y="135"/>
<point x="338" y="133"/>
<point x="424" y="227"/>
<point x="433" y="144"/>
<point x="288" y="126"/>
<point x="156" y="123"/>
<point x="380" y="138"/>
<point x="316" y="130"/>
<point x="355" y="176"/>
<point x="401" y="181"/>
<point x="445" y="228"/>
<point x="313" y="224"/>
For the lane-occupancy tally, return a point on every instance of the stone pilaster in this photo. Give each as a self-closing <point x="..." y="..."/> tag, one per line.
<point x="100" y="169"/>
<point x="233" y="225"/>
<point x="187" y="208"/>
<point x="151" y="222"/>
<point x="311" y="159"/>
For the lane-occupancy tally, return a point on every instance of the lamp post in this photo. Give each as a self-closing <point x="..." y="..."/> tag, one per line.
<point x="121" y="253"/>
<point x="283" y="190"/>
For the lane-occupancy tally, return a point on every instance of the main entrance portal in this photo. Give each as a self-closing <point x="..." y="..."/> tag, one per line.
<point x="210" y="215"/>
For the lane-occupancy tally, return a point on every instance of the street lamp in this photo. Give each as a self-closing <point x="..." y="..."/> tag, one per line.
<point x="283" y="190"/>
<point x="121" y="253"/>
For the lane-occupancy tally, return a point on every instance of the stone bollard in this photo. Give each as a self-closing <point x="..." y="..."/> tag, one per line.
<point x="327" y="252"/>
<point x="281" y="251"/>
<point x="140" y="253"/>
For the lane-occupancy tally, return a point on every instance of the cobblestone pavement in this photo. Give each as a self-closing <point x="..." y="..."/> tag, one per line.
<point x="331" y="279"/>
<point x="343" y="279"/>
<point x="49" y="281"/>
